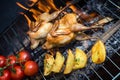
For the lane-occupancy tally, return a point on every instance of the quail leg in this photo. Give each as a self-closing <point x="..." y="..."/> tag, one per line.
<point x="82" y="36"/>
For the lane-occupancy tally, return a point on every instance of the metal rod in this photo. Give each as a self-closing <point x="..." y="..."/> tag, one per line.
<point x="64" y="77"/>
<point x="11" y="47"/>
<point x="112" y="12"/>
<point x="86" y="76"/>
<point x="114" y="4"/>
<point x="18" y="37"/>
<point x="97" y="74"/>
<point x="110" y="31"/>
<point x="116" y="38"/>
<point x="114" y="50"/>
<point x="42" y="75"/>
<point x="107" y="71"/>
<point x="54" y="77"/>
<point x="117" y="41"/>
<point x="11" y="40"/>
<point x="113" y="63"/>
<point x="74" y="77"/>
<point x="11" y="25"/>
<point x="117" y="34"/>
<point x="118" y="75"/>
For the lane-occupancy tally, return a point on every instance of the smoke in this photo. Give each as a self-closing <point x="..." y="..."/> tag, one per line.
<point x="106" y="8"/>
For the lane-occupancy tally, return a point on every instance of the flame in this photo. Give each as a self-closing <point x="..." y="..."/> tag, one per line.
<point x="46" y="5"/>
<point x="72" y="6"/>
<point x="51" y="4"/>
<point x="34" y="11"/>
<point x="32" y="2"/>
<point x="20" y="5"/>
<point x="27" y="18"/>
<point x="42" y="5"/>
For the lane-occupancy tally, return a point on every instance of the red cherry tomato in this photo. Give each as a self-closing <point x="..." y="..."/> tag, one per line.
<point x="18" y="74"/>
<point x="5" y="75"/>
<point x="31" y="68"/>
<point x="24" y="56"/>
<point x="12" y="60"/>
<point x="2" y="61"/>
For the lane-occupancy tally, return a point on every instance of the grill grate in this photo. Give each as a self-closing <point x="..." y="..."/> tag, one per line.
<point x="14" y="39"/>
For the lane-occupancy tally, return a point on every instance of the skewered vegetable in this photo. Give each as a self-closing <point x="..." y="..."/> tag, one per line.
<point x="59" y="62"/>
<point x="48" y="64"/>
<point x="69" y="62"/>
<point x="98" y="52"/>
<point x="80" y="59"/>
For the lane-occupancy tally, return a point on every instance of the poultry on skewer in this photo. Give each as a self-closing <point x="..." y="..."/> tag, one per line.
<point x="65" y="31"/>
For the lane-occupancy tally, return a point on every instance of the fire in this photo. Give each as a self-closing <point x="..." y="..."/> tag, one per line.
<point x="42" y="5"/>
<point x="72" y="7"/>
<point x="46" y="5"/>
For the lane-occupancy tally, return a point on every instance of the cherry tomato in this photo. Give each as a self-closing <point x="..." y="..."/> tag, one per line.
<point x="24" y="56"/>
<point x="17" y="73"/>
<point x="30" y="68"/>
<point x="2" y="61"/>
<point x="12" y="60"/>
<point x="5" y="75"/>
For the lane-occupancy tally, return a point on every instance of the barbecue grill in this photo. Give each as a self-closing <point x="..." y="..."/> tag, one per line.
<point x="14" y="39"/>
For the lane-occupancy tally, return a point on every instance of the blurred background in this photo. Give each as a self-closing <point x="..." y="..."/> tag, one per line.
<point x="8" y="12"/>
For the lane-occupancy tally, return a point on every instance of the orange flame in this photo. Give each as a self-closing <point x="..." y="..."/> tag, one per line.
<point x="42" y="5"/>
<point x="32" y="2"/>
<point x="72" y="7"/>
<point x="51" y="4"/>
<point x="46" y="5"/>
<point x="34" y="11"/>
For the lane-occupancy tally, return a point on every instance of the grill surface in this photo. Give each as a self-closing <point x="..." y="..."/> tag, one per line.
<point x="14" y="39"/>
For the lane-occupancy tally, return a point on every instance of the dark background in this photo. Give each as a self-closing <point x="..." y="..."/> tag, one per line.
<point x="8" y="12"/>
